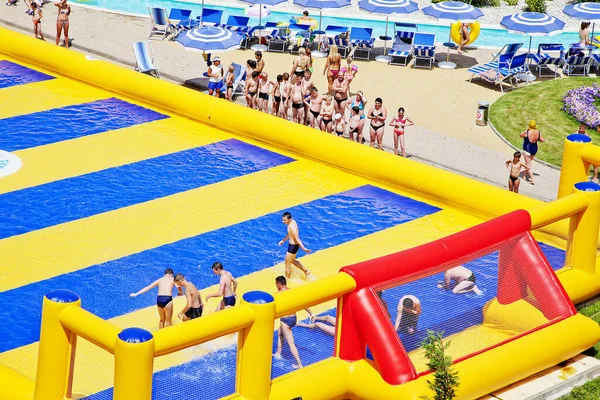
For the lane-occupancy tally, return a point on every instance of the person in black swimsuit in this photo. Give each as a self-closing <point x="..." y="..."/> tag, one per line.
<point x="293" y="235"/>
<point x="194" y="306"/>
<point x="377" y="114"/>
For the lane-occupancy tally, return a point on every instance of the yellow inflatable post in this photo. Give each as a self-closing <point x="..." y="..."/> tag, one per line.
<point x="455" y="33"/>
<point x="254" y="348"/>
<point x="56" y="346"/>
<point x="581" y="253"/>
<point x="574" y="169"/>
<point x="134" y="363"/>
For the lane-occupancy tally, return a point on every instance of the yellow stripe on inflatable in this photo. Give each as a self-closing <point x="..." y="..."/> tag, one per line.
<point x="455" y="33"/>
<point x="93" y="372"/>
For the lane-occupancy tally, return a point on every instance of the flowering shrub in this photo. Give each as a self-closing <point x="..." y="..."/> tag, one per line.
<point x="581" y="104"/>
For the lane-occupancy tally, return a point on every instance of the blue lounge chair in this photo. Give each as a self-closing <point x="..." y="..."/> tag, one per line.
<point x="423" y="48"/>
<point x="506" y="69"/>
<point x="338" y="35"/>
<point x="544" y="60"/>
<point x="362" y="40"/>
<point x="144" y="58"/>
<point x="179" y="20"/>
<point x="401" y="49"/>
<point x="302" y="36"/>
<point x="210" y="17"/>
<point x="160" y="24"/>
<point x="240" y="25"/>
<point x="510" y="48"/>
<point x="275" y="37"/>
<point x="574" y="63"/>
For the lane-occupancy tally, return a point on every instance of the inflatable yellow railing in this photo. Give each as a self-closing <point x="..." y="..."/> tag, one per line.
<point x="575" y="217"/>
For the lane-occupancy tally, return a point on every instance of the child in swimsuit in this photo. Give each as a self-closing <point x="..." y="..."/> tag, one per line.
<point x="326" y="113"/>
<point x="314" y="102"/>
<point x="37" y="21"/>
<point x="354" y="125"/>
<point x="515" y="166"/>
<point x="277" y="95"/>
<point x="399" y="123"/>
<point x="297" y="94"/>
<point x="251" y="89"/>
<point x="284" y="89"/>
<point x="229" y="79"/>
<point x="263" y="92"/>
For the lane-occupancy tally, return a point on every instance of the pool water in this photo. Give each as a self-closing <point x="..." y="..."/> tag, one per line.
<point x="489" y="37"/>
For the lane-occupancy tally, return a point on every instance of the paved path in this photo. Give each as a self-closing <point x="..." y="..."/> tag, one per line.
<point x="442" y="102"/>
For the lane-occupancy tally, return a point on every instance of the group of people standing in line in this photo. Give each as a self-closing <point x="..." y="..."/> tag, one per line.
<point x="294" y="96"/>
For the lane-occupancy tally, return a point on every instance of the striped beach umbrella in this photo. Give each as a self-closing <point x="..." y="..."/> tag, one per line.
<point x="388" y="7"/>
<point x="452" y="11"/>
<point x="210" y="39"/>
<point x="320" y="5"/>
<point x="532" y="24"/>
<point x="585" y="12"/>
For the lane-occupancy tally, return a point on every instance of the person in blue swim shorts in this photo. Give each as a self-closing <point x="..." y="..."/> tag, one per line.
<point x="215" y="77"/>
<point x="286" y="324"/>
<point x="294" y="244"/>
<point x="227" y="287"/>
<point x="164" y="300"/>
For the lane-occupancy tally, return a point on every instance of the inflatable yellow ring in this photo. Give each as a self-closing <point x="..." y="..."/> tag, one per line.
<point x="596" y="41"/>
<point x="455" y="32"/>
<point x="305" y="21"/>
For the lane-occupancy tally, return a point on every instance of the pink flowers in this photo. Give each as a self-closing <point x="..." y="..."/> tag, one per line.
<point x="581" y="104"/>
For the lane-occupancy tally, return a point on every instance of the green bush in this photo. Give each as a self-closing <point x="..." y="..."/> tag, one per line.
<point x="495" y="3"/>
<point x="535" y="6"/>
<point x="512" y="2"/>
<point x="446" y="379"/>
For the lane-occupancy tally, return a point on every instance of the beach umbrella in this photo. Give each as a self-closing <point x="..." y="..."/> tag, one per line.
<point x="210" y="39"/>
<point x="584" y="12"/>
<point x="387" y="7"/>
<point x="320" y="5"/>
<point x="452" y="11"/>
<point x="261" y="7"/>
<point x="532" y="24"/>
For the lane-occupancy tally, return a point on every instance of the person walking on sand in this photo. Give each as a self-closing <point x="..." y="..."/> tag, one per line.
<point x="227" y="287"/>
<point x="409" y="310"/>
<point x="37" y="21"/>
<point x="399" y="123"/>
<point x="332" y="66"/>
<point x="286" y="324"/>
<point x="62" y="21"/>
<point x="465" y="36"/>
<point x="514" y="166"/>
<point x="460" y="280"/>
<point x="531" y="137"/>
<point x="193" y="307"/>
<point x="164" y="300"/>
<point x="293" y="235"/>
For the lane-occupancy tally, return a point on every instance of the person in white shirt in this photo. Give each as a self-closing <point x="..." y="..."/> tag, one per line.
<point x="215" y="77"/>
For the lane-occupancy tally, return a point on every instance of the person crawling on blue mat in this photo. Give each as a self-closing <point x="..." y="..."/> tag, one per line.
<point x="409" y="310"/>
<point x="460" y="280"/>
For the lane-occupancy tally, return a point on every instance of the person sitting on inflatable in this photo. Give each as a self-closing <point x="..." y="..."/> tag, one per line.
<point x="304" y="19"/>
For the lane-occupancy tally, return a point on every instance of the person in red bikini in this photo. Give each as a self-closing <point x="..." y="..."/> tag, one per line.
<point x="399" y="123"/>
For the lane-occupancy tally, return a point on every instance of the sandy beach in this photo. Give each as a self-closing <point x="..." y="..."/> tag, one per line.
<point x="443" y="103"/>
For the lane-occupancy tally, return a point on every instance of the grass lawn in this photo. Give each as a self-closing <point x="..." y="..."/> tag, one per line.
<point x="591" y="389"/>
<point x="542" y="101"/>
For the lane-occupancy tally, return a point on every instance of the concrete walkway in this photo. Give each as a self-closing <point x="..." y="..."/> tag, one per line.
<point x="441" y="102"/>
